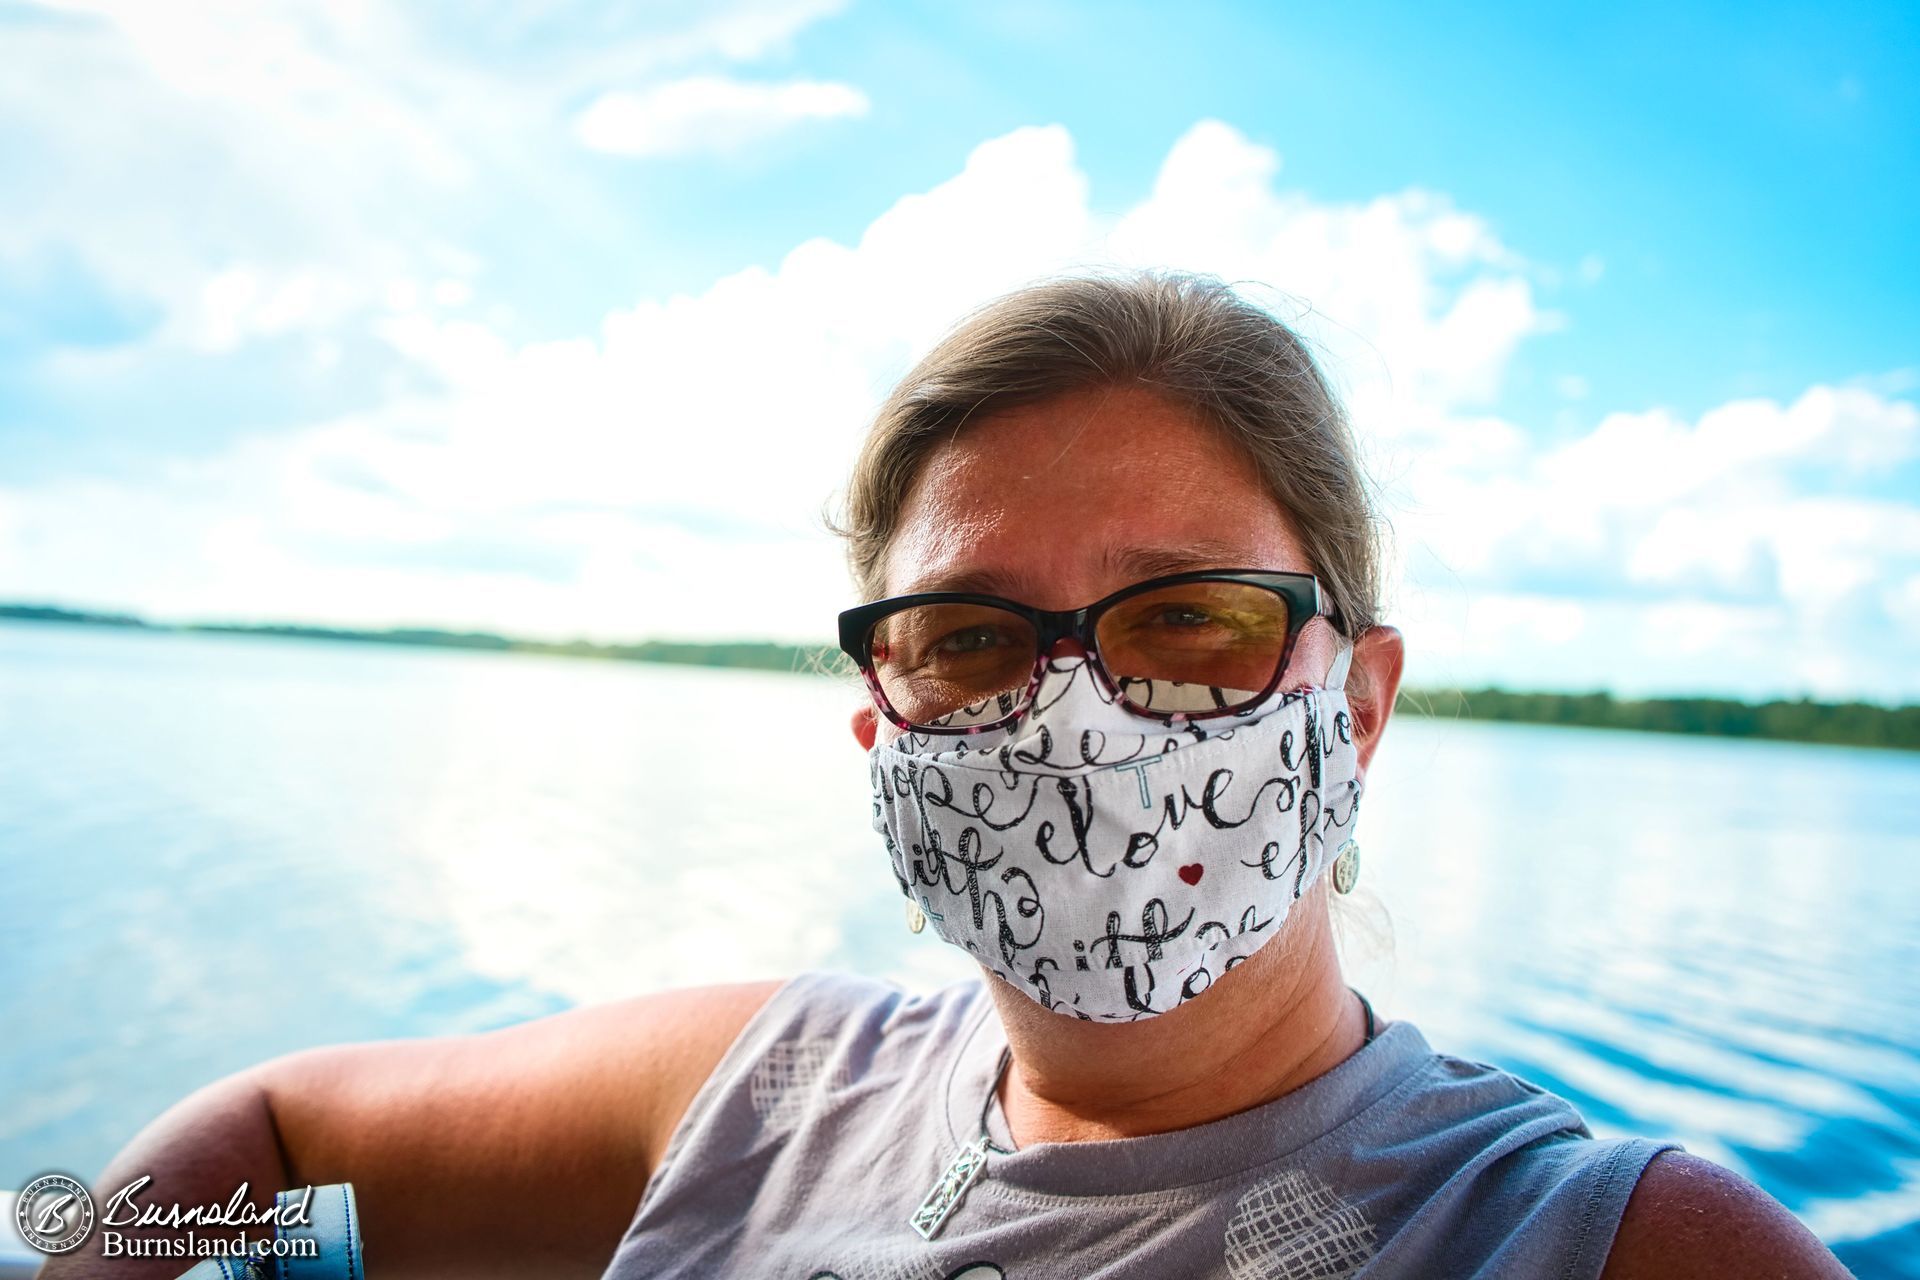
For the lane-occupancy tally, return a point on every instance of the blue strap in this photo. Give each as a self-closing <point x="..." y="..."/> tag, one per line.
<point x="332" y="1223"/>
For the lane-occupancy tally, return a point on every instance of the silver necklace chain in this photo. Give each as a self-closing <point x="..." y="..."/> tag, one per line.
<point x="969" y="1163"/>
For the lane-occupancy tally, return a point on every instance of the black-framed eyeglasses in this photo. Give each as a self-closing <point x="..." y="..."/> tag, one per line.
<point x="1187" y="646"/>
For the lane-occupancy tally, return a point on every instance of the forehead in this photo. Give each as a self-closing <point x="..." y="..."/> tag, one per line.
<point x="1061" y="501"/>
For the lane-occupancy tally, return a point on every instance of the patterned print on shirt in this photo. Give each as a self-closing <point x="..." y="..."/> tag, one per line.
<point x="791" y="1080"/>
<point x="1295" y="1227"/>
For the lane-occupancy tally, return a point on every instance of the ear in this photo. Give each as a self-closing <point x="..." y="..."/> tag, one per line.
<point x="1372" y="685"/>
<point x="865" y="725"/>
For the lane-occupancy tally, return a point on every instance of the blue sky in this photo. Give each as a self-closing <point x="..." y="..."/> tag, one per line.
<point x="372" y="314"/>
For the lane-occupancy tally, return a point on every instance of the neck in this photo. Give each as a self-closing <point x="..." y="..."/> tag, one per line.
<point x="1279" y="1019"/>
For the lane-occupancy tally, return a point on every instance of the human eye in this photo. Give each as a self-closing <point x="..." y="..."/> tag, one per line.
<point x="1192" y="621"/>
<point x="975" y="639"/>
<point x="1180" y="621"/>
<point x="1182" y="616"/>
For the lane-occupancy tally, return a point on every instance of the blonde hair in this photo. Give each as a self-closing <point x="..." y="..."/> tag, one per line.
<point x="1192" y="339"/>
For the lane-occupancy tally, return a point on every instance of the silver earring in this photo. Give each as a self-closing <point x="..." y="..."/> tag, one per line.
<point x="1346" y="867"/>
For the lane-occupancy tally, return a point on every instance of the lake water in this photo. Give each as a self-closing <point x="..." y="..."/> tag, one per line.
<point x="216" y="849"/>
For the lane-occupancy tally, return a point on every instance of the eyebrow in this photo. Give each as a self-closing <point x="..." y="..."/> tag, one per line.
<point x="1133" y="563"/>
<point x="1152" y="562"/>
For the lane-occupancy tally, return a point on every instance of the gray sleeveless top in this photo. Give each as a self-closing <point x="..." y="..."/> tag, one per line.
<point x="836" y="1111"/>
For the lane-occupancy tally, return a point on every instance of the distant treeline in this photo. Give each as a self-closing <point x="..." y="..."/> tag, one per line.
<point x="758" y="655"/>
<point x="1858" y="724"/>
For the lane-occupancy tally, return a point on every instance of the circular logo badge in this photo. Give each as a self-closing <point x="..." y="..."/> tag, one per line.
<point x="54" y="1213"/>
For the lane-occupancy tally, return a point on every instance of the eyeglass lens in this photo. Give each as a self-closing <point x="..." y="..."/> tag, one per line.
<point x="1195" y="648"/>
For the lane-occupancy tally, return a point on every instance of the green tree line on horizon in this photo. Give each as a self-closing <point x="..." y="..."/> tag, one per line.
<point x="1860" y="724"/>
<point x="1855" y="724"/>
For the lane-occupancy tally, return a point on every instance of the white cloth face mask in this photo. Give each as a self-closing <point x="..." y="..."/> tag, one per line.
<point x="1108" y="865"/>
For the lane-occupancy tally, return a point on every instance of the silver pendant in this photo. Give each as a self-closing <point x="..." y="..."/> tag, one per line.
<point x="968" y="1163"/>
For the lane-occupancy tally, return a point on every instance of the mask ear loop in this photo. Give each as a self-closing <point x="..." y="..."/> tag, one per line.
<point x="1342" y="663"/>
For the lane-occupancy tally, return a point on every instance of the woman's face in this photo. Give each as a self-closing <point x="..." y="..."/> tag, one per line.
<point x="1061" y="502"/>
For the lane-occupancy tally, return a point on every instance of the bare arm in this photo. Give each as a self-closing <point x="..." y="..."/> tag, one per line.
<point x="1691" y="1218"/>
<point x="518" y="1152"/>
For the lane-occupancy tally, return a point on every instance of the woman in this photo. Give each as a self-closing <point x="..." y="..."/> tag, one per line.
<point x="1126" y="675"/>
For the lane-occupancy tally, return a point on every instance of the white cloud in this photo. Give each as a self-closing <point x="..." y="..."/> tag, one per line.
<point x="1743" y="537"/>
<point x="709" y="113"/>
<point x="1411" y="300"/>
<point x="729" y="416"/>
<point x="241" y="304"/>
<point x="295" y="158"/>
<point x="621" y="483"/>
<point x="634" y="38"/>
<point x="1653" y="459"/>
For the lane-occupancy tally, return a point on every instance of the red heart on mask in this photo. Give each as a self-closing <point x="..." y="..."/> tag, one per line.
<point x="1192" y="874"/>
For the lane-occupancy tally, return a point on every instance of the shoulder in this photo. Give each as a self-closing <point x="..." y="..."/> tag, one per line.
<point x="1690" y="1217"/>
<point x="673" y="1040"/>
<point x="1521" y="1169"/>
<point x="734" y="1044"/>
<point x="679" y="1042"/>
<point x="850" y="1026"/>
